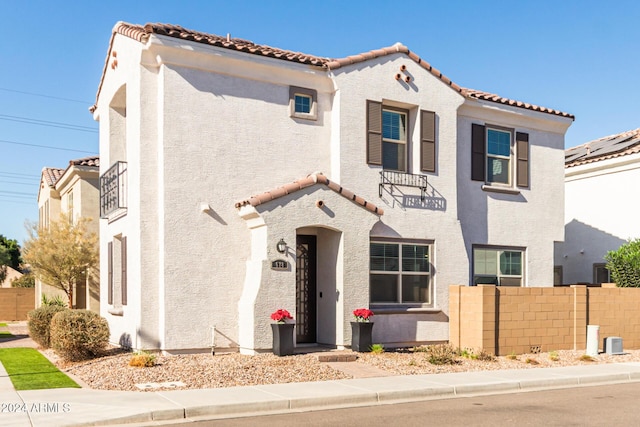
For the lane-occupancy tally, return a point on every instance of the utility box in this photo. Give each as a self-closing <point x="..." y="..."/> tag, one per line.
<point x="593" y="339"/>
<point x="613" y="345"/>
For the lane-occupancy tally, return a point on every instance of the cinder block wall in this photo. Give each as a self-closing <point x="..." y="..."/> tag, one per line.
<point x="504" y="320"/>
<point x="15" y="303"/>
<point x="617" y="312"/>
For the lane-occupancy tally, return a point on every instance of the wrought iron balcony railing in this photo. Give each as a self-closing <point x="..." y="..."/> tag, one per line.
<point x="113" y="189"/>
<point x="401" y="179"/>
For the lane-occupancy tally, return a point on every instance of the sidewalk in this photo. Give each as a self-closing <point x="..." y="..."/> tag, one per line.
<point x="80" y="407"/>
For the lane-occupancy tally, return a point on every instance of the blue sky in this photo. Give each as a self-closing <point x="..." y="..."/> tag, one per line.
<point x="576" y="56"/>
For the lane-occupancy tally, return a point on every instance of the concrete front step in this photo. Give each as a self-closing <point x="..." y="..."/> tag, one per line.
<point x="337" y="357"/>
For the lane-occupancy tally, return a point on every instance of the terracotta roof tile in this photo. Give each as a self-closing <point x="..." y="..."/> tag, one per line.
<point x="316" y="178"/>
<point x="486" y="96"/>
<point x="52" y="175"/>
<point x="142" y="34"/>
<point x="86" y="161"/>
<point x="608" y="147"/>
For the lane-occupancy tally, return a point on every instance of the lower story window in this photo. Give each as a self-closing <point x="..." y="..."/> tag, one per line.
<point x="601" y="273"/>
<point x="500" y="267"/>
<point x="400" y="273"/>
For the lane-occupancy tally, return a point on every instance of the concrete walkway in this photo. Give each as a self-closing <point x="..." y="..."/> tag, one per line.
<point x="81" y="407"/>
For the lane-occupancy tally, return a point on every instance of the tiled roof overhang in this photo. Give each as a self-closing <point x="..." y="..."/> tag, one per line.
<point x="313" y="179"/>
<point x="142" y="33"/>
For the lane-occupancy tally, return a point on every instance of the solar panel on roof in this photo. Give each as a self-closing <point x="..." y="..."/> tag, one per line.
<point x="620" y="146"/>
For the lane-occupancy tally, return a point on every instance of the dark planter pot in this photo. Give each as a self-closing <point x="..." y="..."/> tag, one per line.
<point x="361" y="336"/>
<point x="282" y="338"/>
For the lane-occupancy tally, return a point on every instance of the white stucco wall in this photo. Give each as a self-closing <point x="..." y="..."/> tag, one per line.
<point x="600" y="214"/>
<point x="210" y="127"/>
<point x="530" y="219"/>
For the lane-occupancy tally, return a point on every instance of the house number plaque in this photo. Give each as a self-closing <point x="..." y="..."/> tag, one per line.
<point x="279" y="264"/>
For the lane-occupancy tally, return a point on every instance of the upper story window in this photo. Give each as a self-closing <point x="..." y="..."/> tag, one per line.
<point x="70" y="206"/>
<point x="400" y="272"/>
<point x="497" y="266"/>
<point x="389" y="138"/>
<point x="394" y="140"/>
<point x="44" y="215"/>
<point x="498" y="156"/>
<point x="495" y="159"/>
<point x="303" y="103"/>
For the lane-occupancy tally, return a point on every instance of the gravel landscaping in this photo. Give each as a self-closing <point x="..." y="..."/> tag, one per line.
<point x="229" y="370"/>
<point x="112" y="371"/>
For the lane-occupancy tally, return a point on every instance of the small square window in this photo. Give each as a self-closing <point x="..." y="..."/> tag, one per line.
<point x="303" y="103"/>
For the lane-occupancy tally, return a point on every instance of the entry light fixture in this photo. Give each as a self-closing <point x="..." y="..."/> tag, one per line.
<point x="281" y="246"/>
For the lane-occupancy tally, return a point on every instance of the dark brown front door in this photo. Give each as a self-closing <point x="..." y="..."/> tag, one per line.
<point x="306" y="289"/>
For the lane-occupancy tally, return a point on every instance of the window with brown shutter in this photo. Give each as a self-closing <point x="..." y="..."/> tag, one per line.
<point x="427" y="141"/>
<point x="123" y="267"/>
<point x="522" y="165"/>
<point x="374" y="133"/>
<point x="478" y="152"/>
<point x="110" y="273"/>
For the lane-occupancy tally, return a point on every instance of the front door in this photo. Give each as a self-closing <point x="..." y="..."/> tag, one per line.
<point x="306" y="289"/>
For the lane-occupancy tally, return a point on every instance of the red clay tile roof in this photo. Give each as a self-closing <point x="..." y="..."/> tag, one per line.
<point x="52" y="175"/>
<point x="142" y="34"/>
<point x="86" y="161"/>
<point x="316" y="178"/>
<point x="608" y="147"/>
<point x="486" y="96"/>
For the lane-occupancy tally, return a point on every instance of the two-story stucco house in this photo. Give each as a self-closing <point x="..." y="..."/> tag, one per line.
<point x="238" y="179"/>
<point x="74" y="192"/>
<point x="600" y="209"/>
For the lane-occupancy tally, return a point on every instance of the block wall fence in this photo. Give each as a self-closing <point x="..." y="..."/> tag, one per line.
<point x="15" y="303"/>
<point x="505" y="320"/>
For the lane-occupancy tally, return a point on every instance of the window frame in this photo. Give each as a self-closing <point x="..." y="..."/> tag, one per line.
<point x="498" y="250"/>
<point x="510" y="158"/>
<point x="70" y="206"/>
<point x="312" y="94"/>
<point x="597" y="266"/>
<point x="399" y="273"/>
<point x="405" y="142"/>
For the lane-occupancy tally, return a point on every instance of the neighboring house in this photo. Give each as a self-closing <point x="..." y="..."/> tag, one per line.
<point x="73" y="191"/>
<point x="238" y="179"/>
<point x="600" y="205"/>
<point x="12" y="274"/>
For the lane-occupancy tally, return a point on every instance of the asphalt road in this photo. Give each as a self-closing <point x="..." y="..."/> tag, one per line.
<point x="608" y="405"/>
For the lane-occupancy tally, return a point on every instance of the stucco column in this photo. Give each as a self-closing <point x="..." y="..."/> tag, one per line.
<point x="252" y="280"/>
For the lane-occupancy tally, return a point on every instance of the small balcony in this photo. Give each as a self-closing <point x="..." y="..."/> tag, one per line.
<point x="401" y="179"/>
<point x="113" y="190"/>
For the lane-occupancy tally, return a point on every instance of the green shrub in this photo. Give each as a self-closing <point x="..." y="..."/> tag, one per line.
<point x="54" y="300"/>
<point x="441" y="354"/>
<point x="79" y="334"/>
<point x="39" y="323"/>
<point x="624" y="264"/>
<point x="377" y="348"/>
<point x="24" y="281"/>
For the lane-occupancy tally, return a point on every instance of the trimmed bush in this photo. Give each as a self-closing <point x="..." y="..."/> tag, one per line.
<point x="79" y="334"/>
<point x="39" y="323"/>
<point x="624" y="264"/>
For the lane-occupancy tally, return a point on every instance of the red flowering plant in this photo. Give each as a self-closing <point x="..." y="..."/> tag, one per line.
<point x="281" y="316"/>
<point x="362" y="314"/>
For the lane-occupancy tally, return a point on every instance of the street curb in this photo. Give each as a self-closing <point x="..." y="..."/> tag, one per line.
<point x="282" y="405"/>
